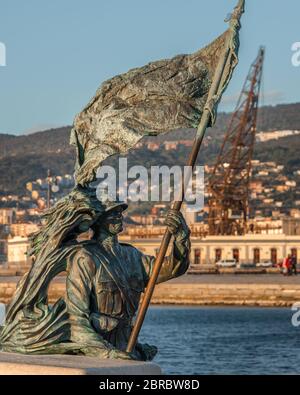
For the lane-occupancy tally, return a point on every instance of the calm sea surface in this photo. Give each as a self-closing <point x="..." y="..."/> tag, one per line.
<point x="224" y="340"/>
<point x="210" y="340"/>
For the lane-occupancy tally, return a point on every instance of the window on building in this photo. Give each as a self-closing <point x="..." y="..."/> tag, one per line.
<point x="218" y="254"/>
<point x="197" y="256"/>
<point x="274" y="256"/>
<point x="256" y="255"/>
<point x="236" y="254"/>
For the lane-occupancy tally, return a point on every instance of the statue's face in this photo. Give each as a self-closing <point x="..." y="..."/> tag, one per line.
<point x="112" y="222"/>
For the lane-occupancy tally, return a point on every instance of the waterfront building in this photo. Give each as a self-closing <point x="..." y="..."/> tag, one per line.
<point x="206" y="250"/>
<point x="17" y="248"/>
<point x="291" y="226"/>
<point x="23" y="229"/>
<point x="7" y="216"/>
<point x="251" y="248"/>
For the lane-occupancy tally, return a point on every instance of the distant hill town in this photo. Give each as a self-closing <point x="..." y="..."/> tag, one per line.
<point x="28" y="157"/>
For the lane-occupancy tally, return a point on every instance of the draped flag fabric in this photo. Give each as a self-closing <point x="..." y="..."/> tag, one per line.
<point x="160" y="97"/>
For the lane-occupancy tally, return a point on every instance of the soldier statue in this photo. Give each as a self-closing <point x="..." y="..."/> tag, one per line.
<point x="104" y="283"/>
<point x="105" y="280"/>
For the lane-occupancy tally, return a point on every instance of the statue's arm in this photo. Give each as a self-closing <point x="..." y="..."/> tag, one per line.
<point x="177" y="263"/>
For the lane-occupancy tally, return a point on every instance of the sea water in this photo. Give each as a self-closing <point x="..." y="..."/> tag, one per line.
<point x="224" y="340"/>
<point x="212" y="340"/>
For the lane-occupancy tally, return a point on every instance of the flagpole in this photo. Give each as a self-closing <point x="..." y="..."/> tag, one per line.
<point x="204" y="123"/>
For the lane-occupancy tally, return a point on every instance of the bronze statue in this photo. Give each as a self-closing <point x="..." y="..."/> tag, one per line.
<point x="105" y="279"/>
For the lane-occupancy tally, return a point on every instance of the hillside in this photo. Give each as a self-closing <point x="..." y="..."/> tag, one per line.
<point x="26" y="158"/>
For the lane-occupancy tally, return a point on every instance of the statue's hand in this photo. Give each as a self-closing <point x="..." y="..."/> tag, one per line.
<point x="146" y="352"/>
<point x="176" y="224"/>
<point x="117" y="354"/>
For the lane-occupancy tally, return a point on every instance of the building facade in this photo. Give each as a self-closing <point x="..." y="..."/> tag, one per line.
<point x="17" y="248"/>
<point x="254" y="248"/>
<point x="7" y="216"/>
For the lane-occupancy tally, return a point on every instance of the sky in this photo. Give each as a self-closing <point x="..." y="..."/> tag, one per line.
<point x="58" y="52"/>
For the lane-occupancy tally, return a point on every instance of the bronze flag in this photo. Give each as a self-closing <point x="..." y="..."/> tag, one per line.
<point x="160" y="97"/>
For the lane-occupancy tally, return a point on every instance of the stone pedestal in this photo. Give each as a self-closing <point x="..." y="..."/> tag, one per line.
<point x="18" y="364"/>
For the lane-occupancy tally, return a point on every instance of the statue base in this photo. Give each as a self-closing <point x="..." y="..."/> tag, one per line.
<point x="19" y="364"/>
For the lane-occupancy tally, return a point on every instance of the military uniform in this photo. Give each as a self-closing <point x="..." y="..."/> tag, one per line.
<point x="104" y="286"/>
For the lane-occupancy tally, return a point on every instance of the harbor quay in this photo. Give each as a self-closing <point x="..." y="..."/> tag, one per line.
<point x="265" y="290"/>
<point x="204" y="284"/>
